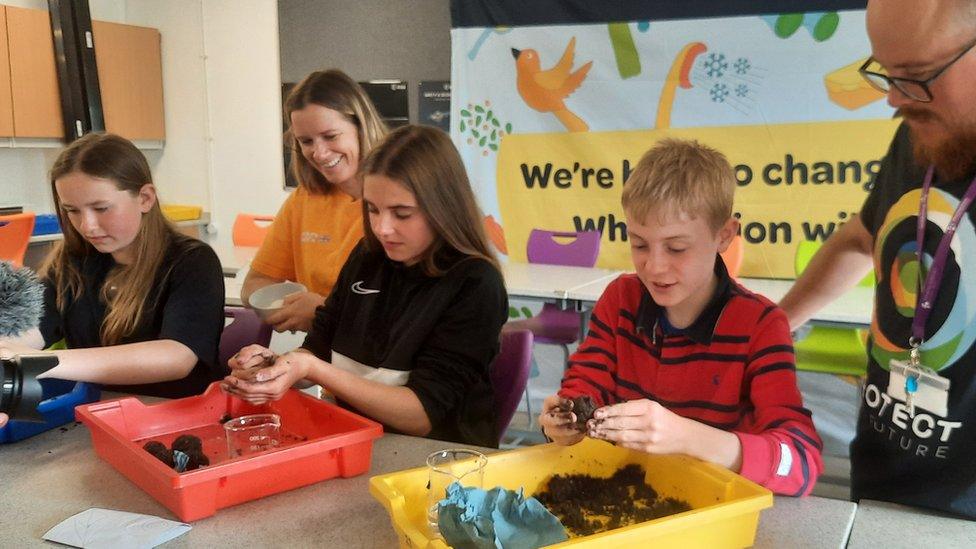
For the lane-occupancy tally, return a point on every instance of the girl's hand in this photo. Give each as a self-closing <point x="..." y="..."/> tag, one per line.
<point x="557" y="421"/>
<point x="297" y="312"/>
<point x="246" y="363"/>
<point x="271" y="382"/>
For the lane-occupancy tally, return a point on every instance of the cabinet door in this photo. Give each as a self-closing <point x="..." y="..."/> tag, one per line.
<point x="33" y="78"/>
<point x="6" y="102"/>
<point x="130" y="77"/>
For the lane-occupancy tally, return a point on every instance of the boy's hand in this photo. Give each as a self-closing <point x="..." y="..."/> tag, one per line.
<point x="642" y="425"/>
<point x="557" y="420"/>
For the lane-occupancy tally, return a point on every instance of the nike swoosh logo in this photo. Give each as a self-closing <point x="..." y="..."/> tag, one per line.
<point x="357" y="288"/>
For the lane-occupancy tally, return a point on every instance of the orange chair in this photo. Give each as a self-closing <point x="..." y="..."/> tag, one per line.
<point x="247" y="231"/>
<point x="733" y="256"/>
<point x="15" y="233"/>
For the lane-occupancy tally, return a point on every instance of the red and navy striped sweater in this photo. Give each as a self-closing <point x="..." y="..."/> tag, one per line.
<point x="732" y="369"/>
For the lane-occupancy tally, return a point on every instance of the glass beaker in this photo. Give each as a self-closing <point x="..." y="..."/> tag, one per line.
<point x="252" y="434"/>
<point x="467" y="467"/>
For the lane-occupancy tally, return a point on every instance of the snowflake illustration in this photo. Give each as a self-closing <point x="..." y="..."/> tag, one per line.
<point x="741" y="90"/>
<point x="741" y="66"/>
<point x="715" y="65"/>
<point x="719" y="92"/>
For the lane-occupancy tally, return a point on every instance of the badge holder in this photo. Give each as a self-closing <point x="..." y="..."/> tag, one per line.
<point x="918" y="386"/>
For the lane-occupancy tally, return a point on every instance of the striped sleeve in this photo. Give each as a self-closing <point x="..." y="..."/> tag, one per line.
<point x="781" y="450"/>
<point x="592" y="368"/>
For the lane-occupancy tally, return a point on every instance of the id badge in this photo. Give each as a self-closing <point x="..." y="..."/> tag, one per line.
<point x="932" y="391"/>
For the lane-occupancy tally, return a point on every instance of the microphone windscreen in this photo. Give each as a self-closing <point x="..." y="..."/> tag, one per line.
<point x="21" y="300"/>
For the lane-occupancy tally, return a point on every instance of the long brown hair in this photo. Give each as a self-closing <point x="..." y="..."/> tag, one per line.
<point x="334" y="90"/>
<point x="114" y="158"/>
<point x="425" y="162"/>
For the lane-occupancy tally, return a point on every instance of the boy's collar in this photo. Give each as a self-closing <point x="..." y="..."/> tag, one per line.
<point x="703" y="328"/>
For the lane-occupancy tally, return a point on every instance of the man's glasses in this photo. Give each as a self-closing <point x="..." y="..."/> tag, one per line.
<point x="918" y="90"/>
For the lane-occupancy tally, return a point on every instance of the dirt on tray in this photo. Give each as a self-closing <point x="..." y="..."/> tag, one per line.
<point x="589" y="505"/>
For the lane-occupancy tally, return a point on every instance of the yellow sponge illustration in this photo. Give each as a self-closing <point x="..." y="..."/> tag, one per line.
<point x="847" y="88"/>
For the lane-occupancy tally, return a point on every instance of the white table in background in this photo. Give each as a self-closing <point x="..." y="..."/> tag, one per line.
<point x="522" y="280"/>
<point x="883" y="524"/>
<point x="234" y="258"/>
<point x="232" y="291"/>
<point x="533" y="280"/>
<point x="851" y="310"/>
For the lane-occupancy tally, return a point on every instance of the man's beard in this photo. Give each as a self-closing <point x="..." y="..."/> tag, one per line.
<point x="954" y="157"/>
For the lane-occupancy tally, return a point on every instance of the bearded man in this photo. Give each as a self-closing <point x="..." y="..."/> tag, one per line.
<point x="916" y="431"/>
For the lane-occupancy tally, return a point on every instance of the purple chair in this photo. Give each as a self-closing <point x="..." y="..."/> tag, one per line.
<point x="552" y="325"/>
<point x="245" y="329"/>
<point x="509" y="374"/>
<point x="555" y="326"/>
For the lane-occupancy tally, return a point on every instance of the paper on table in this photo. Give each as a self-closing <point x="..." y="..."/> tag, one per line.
<point x="97" y="528"/>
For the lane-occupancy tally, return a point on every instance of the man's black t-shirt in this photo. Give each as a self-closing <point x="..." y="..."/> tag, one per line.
<point x="436" y="335"/>
<point x="927" y="460"/>
<point x="185" y="304"/>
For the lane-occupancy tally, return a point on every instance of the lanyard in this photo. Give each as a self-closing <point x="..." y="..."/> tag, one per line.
<point x="923" y="307"/>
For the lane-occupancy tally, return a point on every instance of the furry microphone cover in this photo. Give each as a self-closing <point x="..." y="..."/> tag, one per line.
<point x="21" y="300"/>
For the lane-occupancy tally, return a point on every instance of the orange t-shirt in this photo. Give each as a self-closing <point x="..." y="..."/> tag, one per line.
<point x="310" y="239"/>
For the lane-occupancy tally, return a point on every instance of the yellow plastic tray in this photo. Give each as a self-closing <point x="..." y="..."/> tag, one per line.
<point x="725" y="506"/>
<point x="175" y="212"/>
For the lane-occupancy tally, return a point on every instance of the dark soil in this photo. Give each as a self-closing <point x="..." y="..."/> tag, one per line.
<point x="159" y="451"/>
<point x="589" y="505"/>
<point x="583" y="407"/>
<point x="188" y="444"/>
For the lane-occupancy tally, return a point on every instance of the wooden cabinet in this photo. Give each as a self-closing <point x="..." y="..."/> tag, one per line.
<point x="33" y="78"/>
<point x="129" y="72"/>
<point x="130" y="76"/>
<point x="6" y="101"/>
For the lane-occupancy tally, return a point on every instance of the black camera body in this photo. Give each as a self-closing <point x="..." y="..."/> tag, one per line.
<point x="20" y="391"/>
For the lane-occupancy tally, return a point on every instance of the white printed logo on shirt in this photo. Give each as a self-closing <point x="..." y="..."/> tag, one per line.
<point x="357" y="288"/>
<point x="318" y="238"/>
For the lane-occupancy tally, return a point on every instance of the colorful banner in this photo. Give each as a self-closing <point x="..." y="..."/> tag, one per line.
<point x="550" y="118"/>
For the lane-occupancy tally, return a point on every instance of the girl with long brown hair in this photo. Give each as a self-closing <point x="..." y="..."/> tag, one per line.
<point x="408" y="334"/>
<point x="137" y="304"/>
<point x="332" y="126"/>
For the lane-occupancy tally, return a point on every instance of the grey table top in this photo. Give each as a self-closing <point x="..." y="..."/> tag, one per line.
<point x="805" y="522"/>
<point x="883" y="524"/>
<point x="49" y="477"/>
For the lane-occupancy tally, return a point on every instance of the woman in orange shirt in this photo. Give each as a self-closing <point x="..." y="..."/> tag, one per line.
<point x="333" y="125"/>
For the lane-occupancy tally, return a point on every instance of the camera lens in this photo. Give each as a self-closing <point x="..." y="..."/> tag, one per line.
<point x="20" y="391"/>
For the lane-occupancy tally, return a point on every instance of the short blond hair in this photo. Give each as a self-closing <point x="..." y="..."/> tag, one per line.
<point x="682" y="176"/>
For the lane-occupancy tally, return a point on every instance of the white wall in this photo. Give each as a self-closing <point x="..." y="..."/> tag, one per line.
<point x="181" y="169"/>
<point x="244" y="101"/>
<point x="222" y="101"/>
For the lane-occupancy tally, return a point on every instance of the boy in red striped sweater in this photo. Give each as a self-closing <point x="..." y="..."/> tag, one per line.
<point x="679" y="358"/>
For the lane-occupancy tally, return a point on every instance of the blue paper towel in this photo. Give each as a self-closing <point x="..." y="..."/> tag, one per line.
<point x="498" y="518"/>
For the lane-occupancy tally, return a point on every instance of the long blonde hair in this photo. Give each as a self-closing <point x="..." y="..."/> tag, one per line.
<point x="126" y="288"/>
<point x="425" y="162"/>
<point x="334" y="90"/>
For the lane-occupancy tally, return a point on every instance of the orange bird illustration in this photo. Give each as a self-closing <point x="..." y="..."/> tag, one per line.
<point x="545" y="90"/>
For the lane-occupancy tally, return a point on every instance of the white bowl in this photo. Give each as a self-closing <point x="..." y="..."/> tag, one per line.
<point x="270" y="299"/>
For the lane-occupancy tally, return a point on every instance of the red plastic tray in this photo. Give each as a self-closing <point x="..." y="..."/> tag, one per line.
<point x="319" y="441"/>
